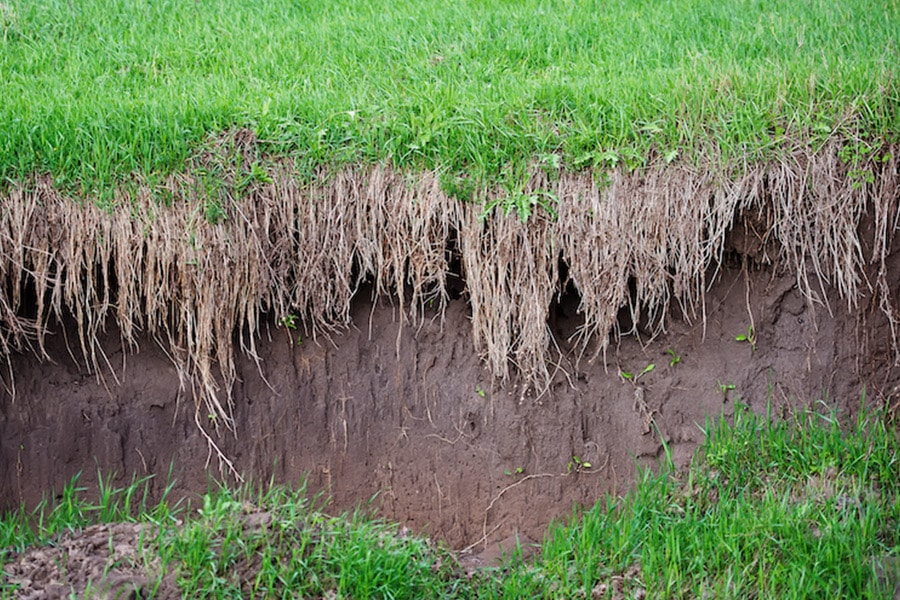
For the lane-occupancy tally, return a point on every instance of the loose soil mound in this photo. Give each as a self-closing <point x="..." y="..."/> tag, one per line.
<point x="100" y="561"/>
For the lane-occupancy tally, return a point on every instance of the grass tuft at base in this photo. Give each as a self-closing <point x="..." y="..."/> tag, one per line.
<point x="802" y="507"/>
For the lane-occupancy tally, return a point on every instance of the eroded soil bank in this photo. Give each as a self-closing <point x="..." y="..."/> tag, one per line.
<point x="411" y="420"/>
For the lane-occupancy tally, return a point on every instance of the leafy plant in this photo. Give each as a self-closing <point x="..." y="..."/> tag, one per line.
<point x="551" y="163"/>
<point x="634" y="377"/>
<point x="524" y="204"/>
<point x="676" y="358"/>
<point x="749" y="337"/>
<point x="577" y="465"/>
<point x="858" y="155"/>
<point x="256" y="174"/>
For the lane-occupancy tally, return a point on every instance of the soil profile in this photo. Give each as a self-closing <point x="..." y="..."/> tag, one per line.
<point x="410" y="423"/>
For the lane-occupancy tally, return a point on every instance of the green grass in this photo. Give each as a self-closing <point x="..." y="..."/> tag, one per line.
<point x="300" y="552"/>
<point x="218" y="551"/>
<point x="96" y="91"/>
<point x="770" y="508"/>
<point x="799" y="508"/>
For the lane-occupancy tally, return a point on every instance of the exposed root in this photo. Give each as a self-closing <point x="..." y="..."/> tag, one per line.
<point x="198" y="282"/>
<point x="485" y="534"/>
<point x="223" y="460"/>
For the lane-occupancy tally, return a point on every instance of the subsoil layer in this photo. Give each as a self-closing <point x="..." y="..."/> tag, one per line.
<point x="410" y="423"/>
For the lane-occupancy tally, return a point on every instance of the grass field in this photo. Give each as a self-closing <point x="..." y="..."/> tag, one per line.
<point x="805" y="507"/>
<point x="96" y="91"/>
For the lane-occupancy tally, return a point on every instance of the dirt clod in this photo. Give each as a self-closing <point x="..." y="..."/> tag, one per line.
<point x="101" y="561"/>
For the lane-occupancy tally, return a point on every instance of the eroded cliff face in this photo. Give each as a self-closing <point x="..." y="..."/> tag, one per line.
<point x="196" y="272"/>
<point x="395" y="346"/>
<point x="410" y="421"/>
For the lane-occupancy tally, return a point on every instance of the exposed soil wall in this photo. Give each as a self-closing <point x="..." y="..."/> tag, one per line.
<point x="413" y="420"/>
<point x="194" y="262"/>
<point x="401" y="346"/>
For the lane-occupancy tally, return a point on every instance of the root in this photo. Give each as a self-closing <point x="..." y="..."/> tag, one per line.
<point x="642" y="240"/>
<point x="224" y="461"/>
<point x="494" y="500"/>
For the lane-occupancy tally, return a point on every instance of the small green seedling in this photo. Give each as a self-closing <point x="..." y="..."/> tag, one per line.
<point x="676" y="358"/>
<point x="288" y="321"/>
<point x="632" y="377"/>
<point x="479" y="390"/>
<point x="724" y="388"/>
<point x="577" y="465"/>
<point x="749" y="337"/>
<point x="517" y="471"/>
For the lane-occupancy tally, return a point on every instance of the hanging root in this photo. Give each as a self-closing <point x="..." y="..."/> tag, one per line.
<point x="196" y="269"/>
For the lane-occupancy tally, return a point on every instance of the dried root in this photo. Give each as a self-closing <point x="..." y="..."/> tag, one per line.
<point x="198" y="280"/>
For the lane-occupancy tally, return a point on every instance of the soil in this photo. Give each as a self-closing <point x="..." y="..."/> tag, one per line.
<point x="411" y="424"/>
<point x="100" y="561"/>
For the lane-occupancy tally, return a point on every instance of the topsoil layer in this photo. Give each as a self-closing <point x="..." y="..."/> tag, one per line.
<point x="410" y="422"/>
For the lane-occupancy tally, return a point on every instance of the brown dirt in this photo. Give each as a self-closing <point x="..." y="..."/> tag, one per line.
<point x="100" y="561"/>
<point x="413" y="421"/>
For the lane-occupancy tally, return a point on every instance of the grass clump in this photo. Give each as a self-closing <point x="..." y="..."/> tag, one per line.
<point x="770" y="508"/>
<point x="239" y="543"/>
<point x="278" y="545"/>
<point x="97" y="90"/>
<point x="71" y="511"/>
<point x="804" y="507"/>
